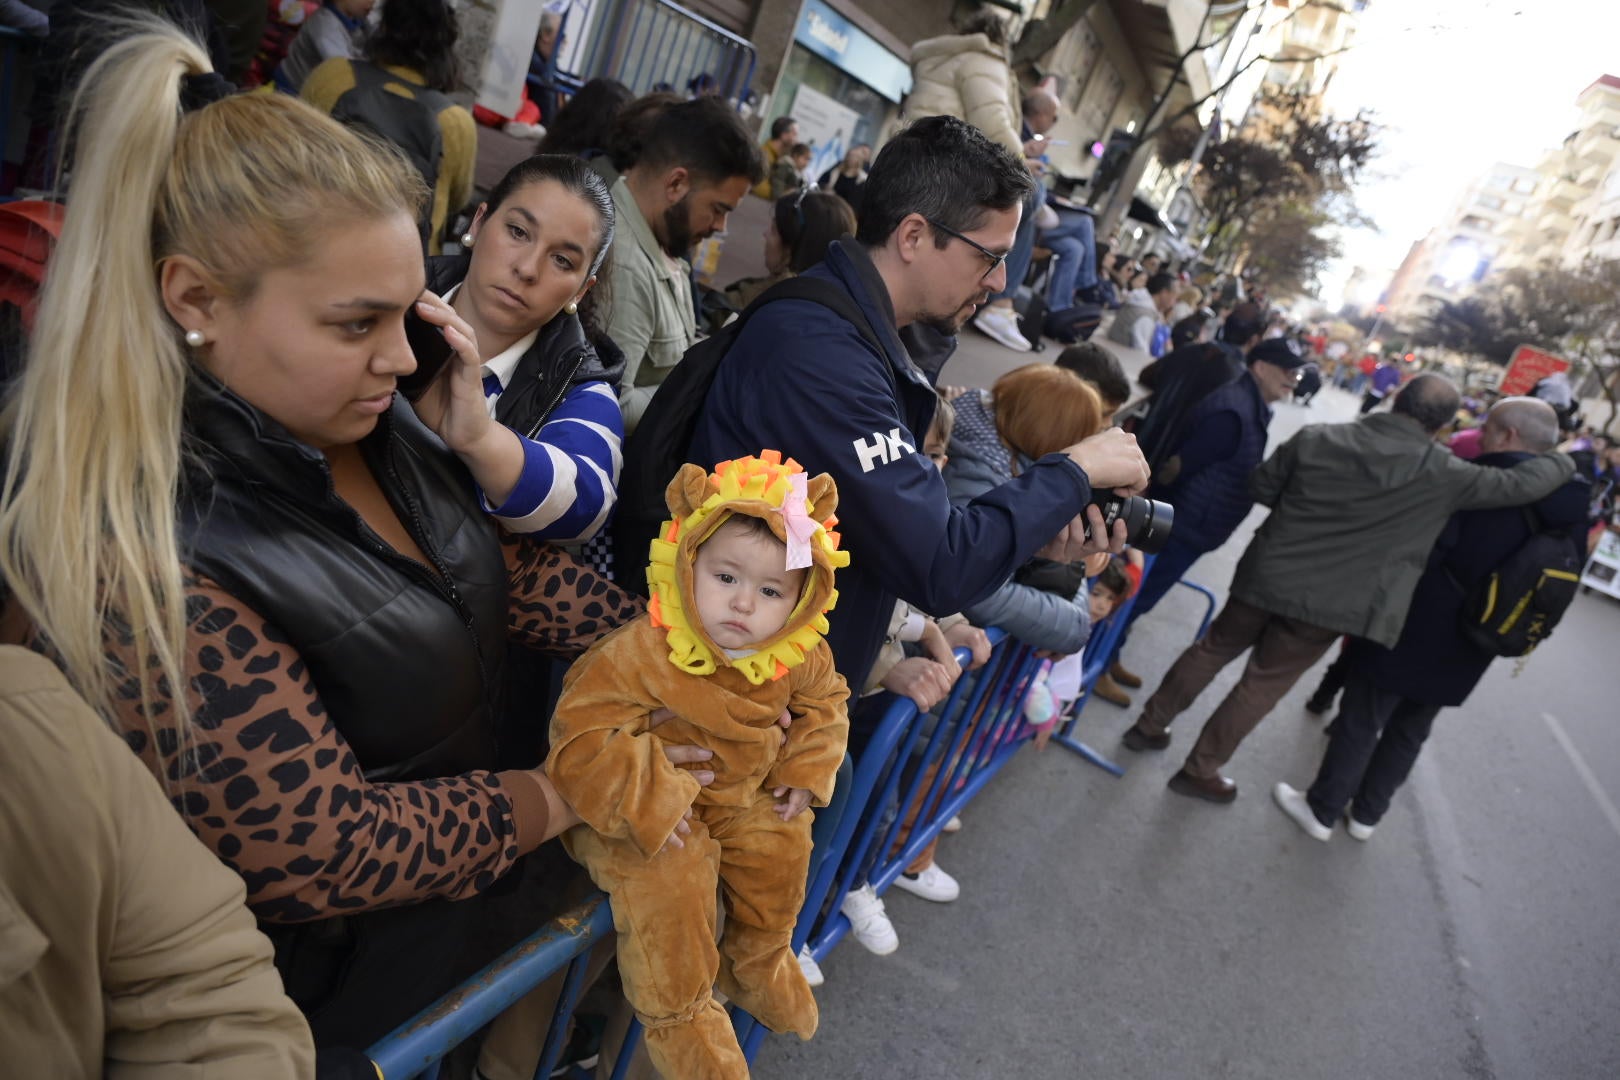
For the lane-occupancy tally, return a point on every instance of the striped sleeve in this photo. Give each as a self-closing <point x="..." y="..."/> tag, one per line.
<point x="570" y="477"/>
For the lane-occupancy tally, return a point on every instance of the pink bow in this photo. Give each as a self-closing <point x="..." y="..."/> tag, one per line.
<point x="798" y="523"/>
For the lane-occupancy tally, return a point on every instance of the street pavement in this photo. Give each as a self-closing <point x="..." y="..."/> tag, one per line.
<point x="1109" y="928"/>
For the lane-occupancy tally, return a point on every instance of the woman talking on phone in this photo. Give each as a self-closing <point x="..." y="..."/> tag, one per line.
<point x="547" y="372"/>
<point x="251" y="556"/>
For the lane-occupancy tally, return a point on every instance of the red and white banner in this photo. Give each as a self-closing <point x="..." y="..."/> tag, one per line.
<point x="1527" y="367"/>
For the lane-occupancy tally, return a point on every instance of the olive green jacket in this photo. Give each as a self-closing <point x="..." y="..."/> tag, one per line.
<point x="1355" y="509"/>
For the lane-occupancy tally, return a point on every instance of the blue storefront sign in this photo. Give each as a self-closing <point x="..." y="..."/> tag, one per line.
<point x="834" y="38"/>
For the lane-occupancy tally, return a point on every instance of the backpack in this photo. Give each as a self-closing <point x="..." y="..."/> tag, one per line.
<point x="659" y="446"/>
<point x="402" y="113"/>
<point x="1515" y="607"/>
<point x="1032" y="319"/>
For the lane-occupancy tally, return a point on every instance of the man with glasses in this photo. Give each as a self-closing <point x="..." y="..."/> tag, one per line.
<point x="940" y="211"/>
<point x="938" y="217"/>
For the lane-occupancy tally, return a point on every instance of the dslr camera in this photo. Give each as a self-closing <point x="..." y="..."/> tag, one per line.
<point x="1147" y="521"/>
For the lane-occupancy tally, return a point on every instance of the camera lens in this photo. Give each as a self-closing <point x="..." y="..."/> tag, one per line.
<point x="1147" y="521"/>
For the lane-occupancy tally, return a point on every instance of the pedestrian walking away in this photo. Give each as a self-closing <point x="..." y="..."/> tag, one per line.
<point x="1369" y="498"/>
<point x="1393" y="695"/>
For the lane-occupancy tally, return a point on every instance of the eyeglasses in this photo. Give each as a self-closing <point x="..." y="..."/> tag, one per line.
<point x="995" y="260"/>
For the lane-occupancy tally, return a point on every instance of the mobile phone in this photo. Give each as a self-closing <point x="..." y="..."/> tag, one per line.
<point x="432" y="351"/>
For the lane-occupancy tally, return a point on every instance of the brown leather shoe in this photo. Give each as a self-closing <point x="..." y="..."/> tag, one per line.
<point x="1110" y="692"/>
<point x="1137" y="739"/>
<point x="1216" y="789"/>
<point x="1125" y="677"/>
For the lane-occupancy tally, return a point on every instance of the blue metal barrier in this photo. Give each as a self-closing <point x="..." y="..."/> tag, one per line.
<point x="416" y="1046"/>
<point x="975" y="732"/>
<point x="1097" y="654"/>
<point x="645" y="43"/>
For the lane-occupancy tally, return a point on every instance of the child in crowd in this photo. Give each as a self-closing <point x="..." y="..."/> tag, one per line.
<point x="1101" y="368"/>
<point x="742" y="577"/>
<point x="337" y="28"/>
<point x="1109" y="590"/>
<point x="788" y="174"/>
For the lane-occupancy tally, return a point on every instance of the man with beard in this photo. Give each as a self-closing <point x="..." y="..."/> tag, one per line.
<point x="694" y="167"/>
<point x="938" y="217"/>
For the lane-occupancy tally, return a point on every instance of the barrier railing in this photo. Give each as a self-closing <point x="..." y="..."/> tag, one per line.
<point x="1098" y="651"/>
<point x="915" y="774"/>
<point x="646" y="44"/>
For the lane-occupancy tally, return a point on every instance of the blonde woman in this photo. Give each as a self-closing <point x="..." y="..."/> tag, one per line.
<point x="1188" y="300"/>
<point x="252" y="558"/>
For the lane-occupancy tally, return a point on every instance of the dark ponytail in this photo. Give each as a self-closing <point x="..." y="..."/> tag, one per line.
<point x="808" y="223"/>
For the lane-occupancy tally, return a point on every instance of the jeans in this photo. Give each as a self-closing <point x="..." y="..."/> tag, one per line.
<point x="1023" y="249"/>
<point x="1074" y="246"/>
<point x="1376" y="740"/>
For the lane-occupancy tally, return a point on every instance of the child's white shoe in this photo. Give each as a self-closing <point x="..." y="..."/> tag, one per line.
<point x="811" y="969"/>
<point x="868" y="921"/>
<point x="932" y="883"/>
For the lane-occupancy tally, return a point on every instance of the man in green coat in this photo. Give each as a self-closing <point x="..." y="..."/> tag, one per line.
<point x="1355" y="509"/>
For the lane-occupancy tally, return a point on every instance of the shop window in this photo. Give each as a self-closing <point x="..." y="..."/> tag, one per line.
<point x="1074" y="57"/>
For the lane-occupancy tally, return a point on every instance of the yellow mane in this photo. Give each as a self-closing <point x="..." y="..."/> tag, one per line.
<point x="750" y="479"/>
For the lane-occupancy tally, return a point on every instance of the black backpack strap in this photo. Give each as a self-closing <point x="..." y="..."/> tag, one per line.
<point x="817" y="291"/>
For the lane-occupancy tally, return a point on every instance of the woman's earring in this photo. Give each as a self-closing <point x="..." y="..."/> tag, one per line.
<point x="571" y="308"/>
<point x="195" y="339"/>
<point x="466" y="239"/>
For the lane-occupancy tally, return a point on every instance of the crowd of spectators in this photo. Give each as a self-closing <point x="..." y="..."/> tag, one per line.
<point x="327" y="618"/>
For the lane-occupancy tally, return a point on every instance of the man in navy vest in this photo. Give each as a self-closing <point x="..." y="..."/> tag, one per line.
<point x="1392" y="696"/>
<point x="1206" y="477"/>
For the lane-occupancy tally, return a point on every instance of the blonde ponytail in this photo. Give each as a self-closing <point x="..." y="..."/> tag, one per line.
<point x="88" y="539"/>
<point x="87" y="510"/>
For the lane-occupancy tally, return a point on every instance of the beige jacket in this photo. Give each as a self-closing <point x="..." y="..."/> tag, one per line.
<point x="125" y="948"/>
<point x="967" y="77"/>
<point x="650" y="314"/>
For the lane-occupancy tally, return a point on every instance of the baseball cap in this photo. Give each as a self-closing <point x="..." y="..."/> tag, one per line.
<point x="1278" y="351"/>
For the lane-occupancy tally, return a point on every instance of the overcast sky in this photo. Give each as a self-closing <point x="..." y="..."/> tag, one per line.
<point x="1461" y="84"/>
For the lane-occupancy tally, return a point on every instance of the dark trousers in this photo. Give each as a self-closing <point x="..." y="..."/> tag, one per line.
<point x="1283" y="649"/>
<point x="1168" y="568"/>
<point x="1333" y="679"/>
<point x="1369" y="402"/>
<point x="1375" y="742"/>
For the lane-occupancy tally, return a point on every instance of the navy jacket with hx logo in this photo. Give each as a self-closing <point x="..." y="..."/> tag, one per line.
<point x="801" y="380"/>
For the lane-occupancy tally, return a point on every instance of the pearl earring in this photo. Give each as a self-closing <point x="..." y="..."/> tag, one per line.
<point x="195" y="339"/>
<point x="571" y="308"/>
<point x="466" y="239"/>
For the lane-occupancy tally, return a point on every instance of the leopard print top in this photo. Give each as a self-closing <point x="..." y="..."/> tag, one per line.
<point x="270" y="785"/>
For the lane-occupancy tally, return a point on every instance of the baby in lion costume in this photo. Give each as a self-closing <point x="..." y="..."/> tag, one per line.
<point x="741" y="576"/>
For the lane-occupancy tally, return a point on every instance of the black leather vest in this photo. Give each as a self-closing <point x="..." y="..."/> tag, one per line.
<point x="407" y="661"/>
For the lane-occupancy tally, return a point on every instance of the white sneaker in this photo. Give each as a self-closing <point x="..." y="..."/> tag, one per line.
<point x="811" y="969"/>
<point x="868" y="922"/>
<point x="1002" y="325"/>
<point x="932" y="884"/>
<point x="1294" y="805"/>
<point x="953" y="825"/>
<point x="1356" y="829"/>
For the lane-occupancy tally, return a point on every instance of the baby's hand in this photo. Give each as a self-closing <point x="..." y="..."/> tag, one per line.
<point x="683" y="827"/>
<point x="795" y="802"/>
